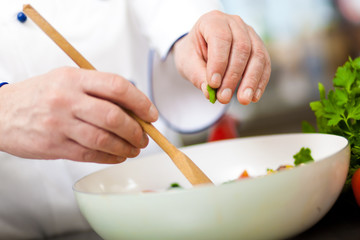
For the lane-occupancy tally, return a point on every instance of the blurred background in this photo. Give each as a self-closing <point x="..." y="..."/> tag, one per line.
<point x="307" y="41"/>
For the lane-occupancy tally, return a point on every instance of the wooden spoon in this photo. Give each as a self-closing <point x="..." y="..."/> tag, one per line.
<point x="188" y="168"/>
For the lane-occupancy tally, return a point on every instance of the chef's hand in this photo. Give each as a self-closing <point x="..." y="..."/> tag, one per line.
<point x="221" y="50"/>
<point x="71" y="113"/>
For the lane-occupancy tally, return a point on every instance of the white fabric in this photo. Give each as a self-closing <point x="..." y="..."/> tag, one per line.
<point x="177" y="99"/>
<point x="36" y="198"/>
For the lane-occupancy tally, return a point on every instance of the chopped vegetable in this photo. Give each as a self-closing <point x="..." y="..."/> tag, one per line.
<point x="212" y="94"/>
<point x="174" y="185"/>
<point x="339" y="112"/>
<point x="304" y="156"/>
<point x="244" y="175"/>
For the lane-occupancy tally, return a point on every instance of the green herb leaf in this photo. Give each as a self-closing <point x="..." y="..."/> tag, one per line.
<point x="303" y="156"/>
<point x="344" y="77"/>
<point x="322" y="91"/>
<point x="338" y="112"/>
<point x="175" y="185"/>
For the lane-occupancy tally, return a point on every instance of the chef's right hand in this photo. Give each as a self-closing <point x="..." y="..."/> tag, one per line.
<point x="75" y="114"/>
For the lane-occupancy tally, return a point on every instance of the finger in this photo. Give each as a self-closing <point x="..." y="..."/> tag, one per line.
<point x="254" y="70"/>
<point x="110" y="117"/>
<point x="79" y="153"/>
<point x="197" y="75"/>
<point x="238" y="59"/>
<point x="218" y="37"/>
<point x="120" y="91"/>
<point x="95" y="138"/>
<point x="263" y="82"/>
<point x="267" y="69"/>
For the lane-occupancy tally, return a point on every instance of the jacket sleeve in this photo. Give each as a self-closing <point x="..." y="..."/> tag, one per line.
<point x="164" y="21"/>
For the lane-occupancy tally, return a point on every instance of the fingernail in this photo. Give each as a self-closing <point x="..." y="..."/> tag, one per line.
<point x="144" y="140"/>
<point x="153" y="112"/>
<point x="216" y="80"/>
<point x="135" y="151"/>
<point x="120" y="159"/>
<point x="249" y="93"/>
<point x="226" y="94"/>
<point x="258" y="94"/>
<point x="203" y="88"/>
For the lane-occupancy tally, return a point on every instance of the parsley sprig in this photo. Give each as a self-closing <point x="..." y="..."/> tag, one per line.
<point x="338" y="112"/>
<point x="303" y="156"/>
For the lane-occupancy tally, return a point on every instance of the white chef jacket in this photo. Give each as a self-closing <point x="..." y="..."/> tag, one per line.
<point x="131" y="38"/>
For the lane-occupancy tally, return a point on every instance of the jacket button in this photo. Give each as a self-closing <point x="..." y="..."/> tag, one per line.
<point x="21" y="17"/>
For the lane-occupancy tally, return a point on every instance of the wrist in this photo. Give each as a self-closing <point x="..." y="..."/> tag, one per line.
<point x="2" y="100"/>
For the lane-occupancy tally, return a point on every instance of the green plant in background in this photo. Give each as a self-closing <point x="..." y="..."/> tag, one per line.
<point x="338" y="112"/>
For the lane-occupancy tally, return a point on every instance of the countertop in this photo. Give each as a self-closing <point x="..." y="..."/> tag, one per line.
<point x="341" y="222"/>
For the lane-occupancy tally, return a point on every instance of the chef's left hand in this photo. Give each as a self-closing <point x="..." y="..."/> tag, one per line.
<point x="221" y="50"/>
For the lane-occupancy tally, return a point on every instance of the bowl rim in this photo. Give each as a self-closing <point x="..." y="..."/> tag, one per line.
<point x="207" y="186"/>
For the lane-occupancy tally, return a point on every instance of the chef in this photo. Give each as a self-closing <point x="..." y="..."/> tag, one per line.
<point x="58" y="122"/>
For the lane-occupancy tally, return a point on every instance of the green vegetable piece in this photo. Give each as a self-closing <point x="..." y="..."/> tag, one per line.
<point x="303" y="156"/>
<point x="212" y="94"/>
<point x="174" y="185"/>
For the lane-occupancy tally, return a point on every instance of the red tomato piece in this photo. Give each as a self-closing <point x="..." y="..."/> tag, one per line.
<point x="244" y="175"/>
<point x="226" y="128"/>
<point x="355" y="184"/>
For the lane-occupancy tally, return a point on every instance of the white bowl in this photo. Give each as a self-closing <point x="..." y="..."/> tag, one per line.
<point x="275" y="206"/>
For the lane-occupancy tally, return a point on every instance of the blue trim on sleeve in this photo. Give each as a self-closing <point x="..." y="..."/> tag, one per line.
<point x="167" y="54"/>
<point x="3" y="83"/>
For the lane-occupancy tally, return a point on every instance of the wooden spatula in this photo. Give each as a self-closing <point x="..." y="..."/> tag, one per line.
<point x="188" y="168"/>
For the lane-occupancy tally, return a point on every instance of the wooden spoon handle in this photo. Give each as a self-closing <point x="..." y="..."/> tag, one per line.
<point x="189" y="169"/>
<point x="185" y="165"/>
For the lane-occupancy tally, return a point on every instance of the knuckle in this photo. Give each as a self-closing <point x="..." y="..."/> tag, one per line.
<point x="66" y="73"/>
<point x="120" y="159"/>
<point x="224" y="36"/>
<point x="244" y="49"/>
<point x="100" y="139"/>
<point x="88" y="155"/>
<point x="138" y="135"/>
<point x="50" y="122"/>
<point x="237" y="19"/>
<point x="252" y="80"/>
<point x="118" y="85"/>
<point x="55" y="99"/>
<point x="144" y="105"/>
<point x="221" y="60"/>
<point x="261" y="56"/>
<point x="113" y="118"/>
<point x="66" y="70"/>
<point x="127" y="150"/>
<point x="214" y="13"/>
<point x="135" y="152"/>
<point x="234" y="76"/>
